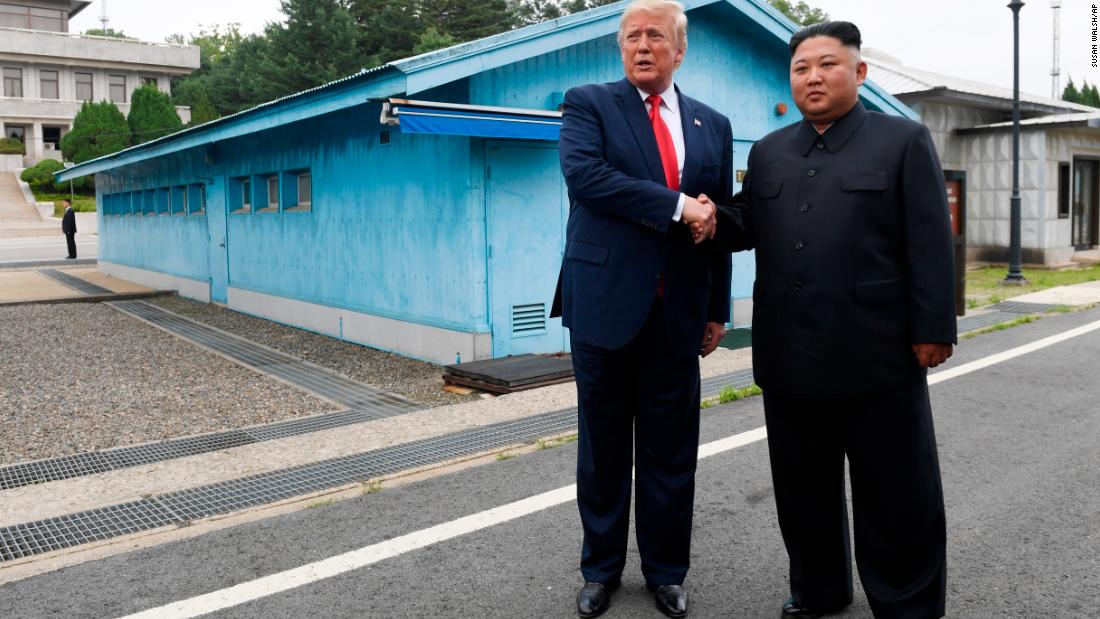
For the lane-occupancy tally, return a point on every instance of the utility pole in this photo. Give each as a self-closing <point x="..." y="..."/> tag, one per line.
<point x="1015" y="275"/>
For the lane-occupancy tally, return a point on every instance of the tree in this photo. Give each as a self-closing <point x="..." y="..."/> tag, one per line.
<point x="1070" y="93"/>
<point x="467" y="20"/>
<point x="99" y="129"/>
<point x="801" y="13"/>
<point x="152" y="115"/>
<point x="1089" y="95"/>
<point x="317" y="44"/>
<point x="109" y="32"/>
<point x="431" y="40"/>
<point x="535" y="11"/>
<point x="390" y="29"/>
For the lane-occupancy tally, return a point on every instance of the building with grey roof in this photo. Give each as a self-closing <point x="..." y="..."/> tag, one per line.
<point x="971" y="124"/>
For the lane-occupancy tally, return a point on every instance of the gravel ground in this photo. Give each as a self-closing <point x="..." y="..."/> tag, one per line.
<point x="417" y="380"/>
<point x="82" y="377"/>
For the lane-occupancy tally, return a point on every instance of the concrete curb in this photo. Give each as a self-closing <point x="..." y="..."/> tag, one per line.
<point x="60" y="262"/>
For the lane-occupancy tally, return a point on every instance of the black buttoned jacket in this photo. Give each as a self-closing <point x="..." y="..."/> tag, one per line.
<point x="853" y="254"/>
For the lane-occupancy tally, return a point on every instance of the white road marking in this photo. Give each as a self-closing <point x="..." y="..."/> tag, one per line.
<point x="1012" y="353"/>
<point x="368" y="555"/>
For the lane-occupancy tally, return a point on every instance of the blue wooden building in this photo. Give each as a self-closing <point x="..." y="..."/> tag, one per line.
<point x="416" y="207"/>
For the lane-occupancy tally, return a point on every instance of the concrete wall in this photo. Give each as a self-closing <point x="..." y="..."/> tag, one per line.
<point x="94" y="51"/>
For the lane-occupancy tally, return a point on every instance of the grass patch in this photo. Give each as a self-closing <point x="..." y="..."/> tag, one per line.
<point x="372" y="486"/>
<point x="1023" y="320"/>
<point x="81" y="204"/>
<point x="504" y="455"/>
<point x="983" y="286"/>
<point x="324" y="503"/>
<point x="731" y="394"/>
<point x="555" y="442"/>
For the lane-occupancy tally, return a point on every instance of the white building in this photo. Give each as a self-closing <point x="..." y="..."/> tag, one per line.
<point x="971" y="125"/>
<point x="48" y="72"/>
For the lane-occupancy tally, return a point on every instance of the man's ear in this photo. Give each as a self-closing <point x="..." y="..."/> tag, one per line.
<point x="861" y="73"/>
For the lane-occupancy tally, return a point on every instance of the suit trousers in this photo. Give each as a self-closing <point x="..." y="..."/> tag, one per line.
<point x="897" y="499"/>
<point x="70" y="242"/>
<point x="637" y="401"/>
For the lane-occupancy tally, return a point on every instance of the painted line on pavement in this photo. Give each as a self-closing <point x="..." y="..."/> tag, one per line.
<point x="1011" y="353"/>
<point x="368" y="555"/>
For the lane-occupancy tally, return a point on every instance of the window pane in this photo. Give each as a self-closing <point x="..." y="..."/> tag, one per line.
<point x="13" y="82"/>
<point x="246" y="190"/>
<point x="49" y="84"/>
<point x="118" y="88"/>
<point x="84" y="86"/>
<point x="305" y="189"/>
<point x="273" y="191"/>
<point x="148" y="81"/>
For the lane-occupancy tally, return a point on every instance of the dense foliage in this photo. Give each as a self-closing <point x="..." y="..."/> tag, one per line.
<point x="152" y="115"/>
<point x="99" y="129"/>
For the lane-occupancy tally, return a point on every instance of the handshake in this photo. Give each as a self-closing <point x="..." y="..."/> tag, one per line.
<point x="700" y="217"/>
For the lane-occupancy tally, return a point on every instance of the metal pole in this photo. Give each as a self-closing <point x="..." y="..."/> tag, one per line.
<point x="1015" y="251"/>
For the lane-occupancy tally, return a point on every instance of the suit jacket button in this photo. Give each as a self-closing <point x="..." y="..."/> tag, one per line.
<point x="821" y="145"/>
<point x="798" y="286"/>
<point x="798" y="246"/>
<point x="811" y="173"/>
<point x="804" y="208"/>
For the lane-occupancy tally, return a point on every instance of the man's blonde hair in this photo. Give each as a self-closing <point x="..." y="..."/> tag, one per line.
<point x="666" y="7"/>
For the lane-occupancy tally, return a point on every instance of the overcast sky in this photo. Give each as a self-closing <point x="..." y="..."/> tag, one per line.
<point x="964" y="38"/>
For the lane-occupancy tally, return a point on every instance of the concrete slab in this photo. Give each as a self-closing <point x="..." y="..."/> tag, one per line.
<point x="23" y="286"/>
<point x="1077" y="294"/>
<point x="113" y="284"/>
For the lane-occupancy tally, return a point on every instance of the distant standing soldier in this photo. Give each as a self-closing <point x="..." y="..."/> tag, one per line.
<point x="68" y="226"/>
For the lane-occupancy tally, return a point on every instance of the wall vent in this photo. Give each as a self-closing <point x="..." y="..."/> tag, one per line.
<point x="529" y="319"/>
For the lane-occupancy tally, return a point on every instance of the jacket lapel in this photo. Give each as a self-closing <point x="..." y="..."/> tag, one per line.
<point x="693" y="143"/>
<point x="634" y="112"/>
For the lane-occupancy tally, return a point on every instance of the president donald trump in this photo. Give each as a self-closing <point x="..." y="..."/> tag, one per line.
<point x="642" y="301"/>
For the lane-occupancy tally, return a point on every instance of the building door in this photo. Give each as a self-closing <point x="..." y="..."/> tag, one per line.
<point x="219" y="241"/>
<point x="526" y="207"/>
<point x="1086" y="202"/>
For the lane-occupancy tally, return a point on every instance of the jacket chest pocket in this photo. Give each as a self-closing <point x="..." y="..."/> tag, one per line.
<point x="865" y="181"/>
<point x="766" y="189"/>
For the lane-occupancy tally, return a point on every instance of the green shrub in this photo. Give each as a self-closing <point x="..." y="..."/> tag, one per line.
<point x="99" y="129"/>
<point x="12" y="146"/>
<point x="152" y="115"/>
<point x="40" y="177"/>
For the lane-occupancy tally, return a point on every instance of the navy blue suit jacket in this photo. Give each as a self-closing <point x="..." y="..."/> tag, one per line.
<point x="621" y="237"/>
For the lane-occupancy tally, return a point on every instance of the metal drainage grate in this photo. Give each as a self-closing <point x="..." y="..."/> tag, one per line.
<point x="79" y="465"/>
<point x="972" y="323"/>
<point x="42" y="536"/>
<point x="80" y="285"/>
<point x="1019" y="307"/>
<point x="303" y="374"/>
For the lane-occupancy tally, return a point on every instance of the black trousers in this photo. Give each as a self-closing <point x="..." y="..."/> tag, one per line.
<point x="70" y="240"/>
<point x="897" y="499"/>
<point x="637" y="401"/>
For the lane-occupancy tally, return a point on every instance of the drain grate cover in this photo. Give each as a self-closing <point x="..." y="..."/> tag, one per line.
<point x="1019" y="307"/>
<point x="80" y="285"/>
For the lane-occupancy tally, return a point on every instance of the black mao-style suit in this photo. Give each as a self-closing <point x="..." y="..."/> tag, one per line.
<point x="635" y="352"/>
<point x="853" y="267"/>
<point x="68" y="227"/>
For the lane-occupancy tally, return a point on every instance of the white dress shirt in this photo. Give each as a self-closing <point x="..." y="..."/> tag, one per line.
<point x="670" y="113"/>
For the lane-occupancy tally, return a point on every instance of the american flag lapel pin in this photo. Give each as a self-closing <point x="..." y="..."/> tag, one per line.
<point x="698" y="123"/>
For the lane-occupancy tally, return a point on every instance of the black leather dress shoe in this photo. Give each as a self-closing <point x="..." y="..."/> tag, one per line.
<point x="594" y="598"/>
<point x="672" y="600"/>
<point x="792" y="608"/>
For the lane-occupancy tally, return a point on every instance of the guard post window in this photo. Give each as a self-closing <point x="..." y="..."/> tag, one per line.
<point x="297" y="191"/>
<point x="1063" y="191"/>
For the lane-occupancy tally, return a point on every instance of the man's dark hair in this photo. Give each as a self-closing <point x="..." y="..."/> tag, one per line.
<point x="845" y="31"/>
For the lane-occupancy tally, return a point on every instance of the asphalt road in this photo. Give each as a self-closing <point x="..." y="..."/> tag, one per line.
<point x="23" y="249"/>
<point x="1020" y="452"/>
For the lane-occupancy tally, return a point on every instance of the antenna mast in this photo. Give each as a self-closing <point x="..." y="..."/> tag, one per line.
<point x="1055" y="71"/>
<point x="103" y="19"/>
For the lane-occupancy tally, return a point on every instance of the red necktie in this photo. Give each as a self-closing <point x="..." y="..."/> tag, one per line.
<point x="668" y="158"/>
<point x="664" y="143"/>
